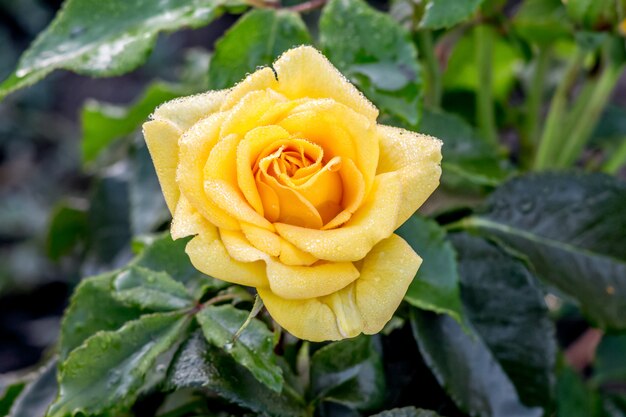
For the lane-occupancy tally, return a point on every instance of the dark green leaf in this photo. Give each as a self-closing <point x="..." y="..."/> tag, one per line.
<point x="257" y="39"/>
<point x="506" y="307"/>
<point x="254" y="349"/>
<point x="542" y="21"/>
<point x="571" y="227"/>
<point x="407" y="412"/>
<point x="436" y="285"/>
<point x="201" y="365"/>
<point x="349" y="372"/>
<point x="611" y="128"/>
<point x="148" y="210"/>
<point x="441" y="14"/>
<point x="592" y="14"/>
<point x="67" y="228"/>
<point x="8" y="394"/>
<point x="104" y="123"/>
<point x="37" y="396"/>
<point x="375" y="53"/>
<point x="463" y="365"/>
<point x="107" y="371"/>
<point x="610" y="361"/>
<point x="151" y="290"/>
<point x="93" y="308"/>
<point x="574" y="398"/>
<point x="466" y="156"/>
<point x="105" y="38"/>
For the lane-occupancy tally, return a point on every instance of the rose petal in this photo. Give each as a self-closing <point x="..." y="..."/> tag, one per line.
<point x="162" y="140"/>
<point x="184" y="112"/>
<point x="262" y="239"/>
<point x="386" y="274"/>
<point x="195" y="147"/>
<point x="305" y="72"/>
<point x="230" y="199"/>
<point x="301" y="282"/>
<point x="186" y="221"/>
<point x="261" y="79"/>
<point x="308" y="319"/>
<point x="419" y="157"/>
<point x="374" y="221"/>
<point x="208" y="255"/>
<point x="290" y="255"/>
<point x="245" y="115"/>
<point x="239" y="248"/>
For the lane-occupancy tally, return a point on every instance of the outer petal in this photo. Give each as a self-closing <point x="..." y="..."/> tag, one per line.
<point x="302" y="282"/>
<point x="259" y="80"/>
<point x="374" y="221"/>
<point x="162" y="140"/>
<point x="305" y="72"/>
<point x="418" y="158"/>
<point x="208" y="254"/>
<point x="386" y="274"/>
<point x="187" y="221"/>
<point x="185" y="111"/>
<point x="309" y="319"/>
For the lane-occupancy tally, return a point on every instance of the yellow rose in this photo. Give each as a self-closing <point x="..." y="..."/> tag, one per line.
<point x="289" y="185"/>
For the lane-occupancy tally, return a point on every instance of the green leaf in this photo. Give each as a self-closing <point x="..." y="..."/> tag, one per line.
<point x="106" y="38"/>
<point x="92" y="308"/>
<point x="198" y="364"/>
<point x="610" y="361"/>
<point x="407" y="412"/>
<point x="148" y="210"/>
<point x="462" y="71"/>
<point x="103" y="123"/>
<point x="436" y="285"/>
<point x="8" y="394"/>
<point x="466" y="156"/>
<point x="571" y="228"/>
<point x="542" y="21"/>
<point x="507" y="309"/>
<point x="442" y="14"/>
<point x="379" y="56"/>
<point x="593" y="14"/>
<point x="467" y="369"/>
<point x="349" y="372"/>
<point x="574" y="398"/>
<point x="146" y="289"/>
<point x="257" y="39"/>
<point x="254" y="349"/>
<point x="68" y="227"/>
<point x="108" y="370"/>
<point x="37" y="395"/>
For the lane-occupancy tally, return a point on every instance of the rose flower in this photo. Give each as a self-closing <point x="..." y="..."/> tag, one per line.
<point x="289" y="185"/>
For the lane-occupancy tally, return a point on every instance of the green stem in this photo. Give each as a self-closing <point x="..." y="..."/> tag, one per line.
<point x="583" y="126"/>
<point x="530" y="136"/>
<point x="617" y="159"/>
<point x="484" y="97"/>
<point x="433" y="72"/>
<point x="550" y="139"/>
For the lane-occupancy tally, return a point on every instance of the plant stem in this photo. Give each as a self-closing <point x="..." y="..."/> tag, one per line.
<point x="617" y="159"/>
<point x="583" y="126"/>
<point x="550" y="139"/>
<point x="484" y="98"/>
<point x="433" y="72"/>
<point x="306" y="6"/>
<point x="530" y="136"/>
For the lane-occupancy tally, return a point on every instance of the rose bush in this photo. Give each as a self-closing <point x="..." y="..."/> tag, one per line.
<point x="289" y="185"/>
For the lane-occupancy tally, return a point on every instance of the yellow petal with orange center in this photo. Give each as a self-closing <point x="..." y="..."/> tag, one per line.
<point x="305" y="72"/>
<point x="373" y="221"/>
<point x="418" y="157"/>
<point x="353" y="186"/>
<point x="162" y="140"/>
<point x="195" y="146"/>
<point x="247" y="152"/>
<point x="230" y="199"/>
<point x="184" y="112"/>
<point x="208" y="255"/>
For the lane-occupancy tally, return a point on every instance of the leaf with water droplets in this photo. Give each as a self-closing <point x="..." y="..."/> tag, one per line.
<point x="106" y="38"/>
<point x="147" y="289"/>
<point x="379" y="56"/>
<point x="257" y="39"/>
<point x="254" y="348"/>
<point x="201" y="365"/>
<point x="107" y="372"/>
<point x="36" y="395"/>
<point x="441" y="14"/>
<point x="572" y="228"/>
<point x="349" y="372"/>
